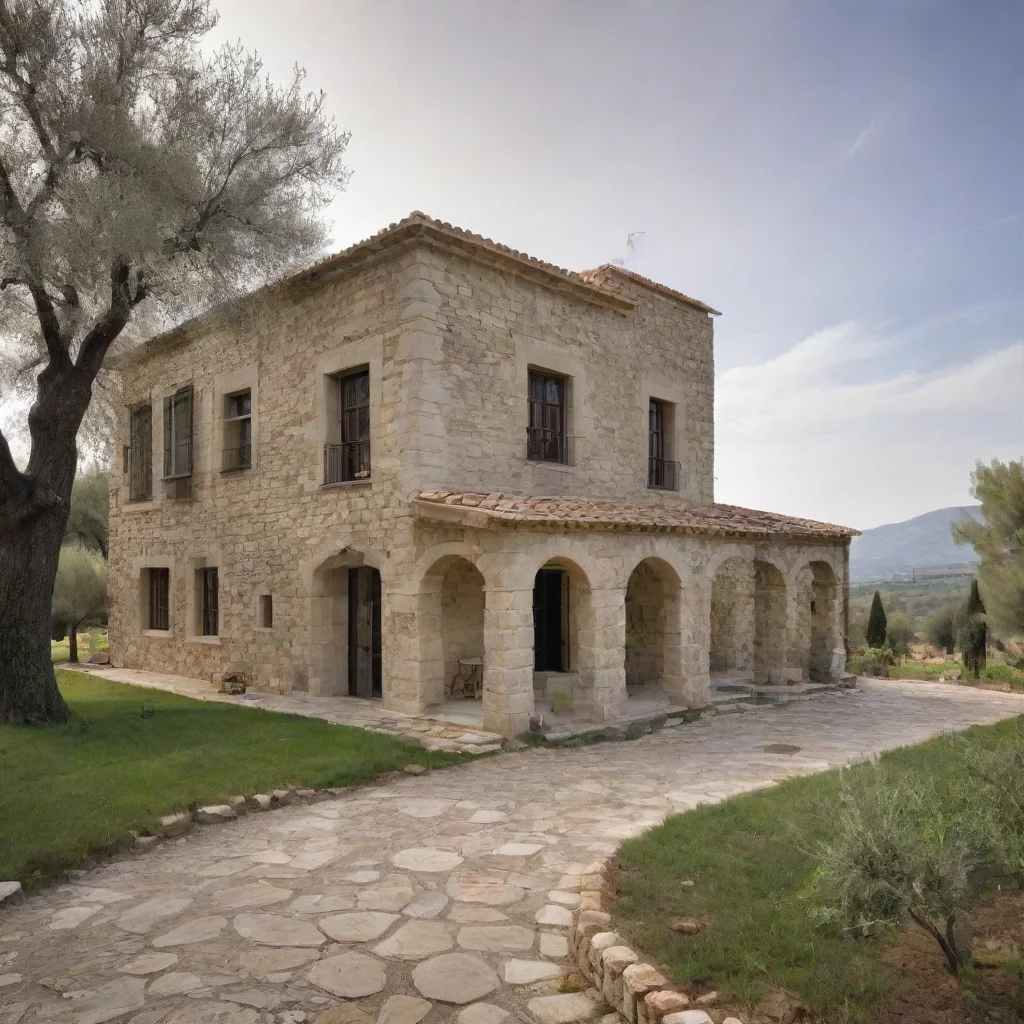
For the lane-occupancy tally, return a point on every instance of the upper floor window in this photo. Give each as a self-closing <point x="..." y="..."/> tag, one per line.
<point x="178" y="434"/>
<point x="238" y="430"/>
<point x="546" y="437"/>
<point x="350" y="458"/>
<point x="208" y="586"/>
<point x="662" y="472"/>
<point x="139" y="453"/>
<point x="159" y="604"/>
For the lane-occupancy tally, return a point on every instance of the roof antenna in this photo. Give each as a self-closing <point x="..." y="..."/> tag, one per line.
<point x="629" y="260"/>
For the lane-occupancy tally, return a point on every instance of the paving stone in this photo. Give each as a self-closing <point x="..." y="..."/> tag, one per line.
<point x="255" y="894"/>
<point x="202" y="929"/>
<point x="555" y="916"/>
<point x="349" y="975"/>
<point x="563" y="1008"/>
<point x="495" y="894"/>
<point x="471" y="913"/>
<point x="261" y="962"/>
<point x="142" y="918"/>
<point x="496" y="938"/>
<point x="343" y="1013"/>
<point x="416" y="940"/>
<point x="568" y="899"/>
<point x="101" y="895"/>
<point x="71" y="917"/>
<point x="361" y="926"/>
<point x="425" y="808"/>
<point x="177" y="983"/>
<point x="389" y="896"/>
<point x="485" y="817"/>
<point x="482" y="1013"/>
<point x="403" y="1010"/>
<point x="253" y="997"/>
<point x="223" y="868"/>
<point x="454" y="978"/>
<point x="6" y="980"/>
<point x="427" y="904"/>
<point x="554" y="946"/>
<point x="526" y="972"/>
<point x="150" y="963"/>
<point x="517" y="849"/>
<point x="208" y="1012"/>
<point x="423" y="858"/>
<point x="361" y="877"/>
<point x="114" y="999"/>
<point x="321" y="904"/>
<point x="313" y="859"/>
<point x="274" y="930"/>
<point x="270" y="857"/>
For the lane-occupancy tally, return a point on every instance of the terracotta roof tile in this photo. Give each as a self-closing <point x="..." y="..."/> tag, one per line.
<point x="583" y="513"/>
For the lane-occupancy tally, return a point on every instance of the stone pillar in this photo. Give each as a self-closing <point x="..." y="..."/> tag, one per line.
<point x="508" y="660"/>
<point x="693" y="683"/>
<point x="799" y="633"/>
<point x="601" y="643"/>
<point x="408" y="670"/>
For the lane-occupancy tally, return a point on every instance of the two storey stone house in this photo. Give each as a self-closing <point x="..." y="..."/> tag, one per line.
<point x="433" y="467"/>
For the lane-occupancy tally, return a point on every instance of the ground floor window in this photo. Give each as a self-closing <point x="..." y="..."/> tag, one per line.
<point x="208" y="585"/>
<point x="159" y="587"/>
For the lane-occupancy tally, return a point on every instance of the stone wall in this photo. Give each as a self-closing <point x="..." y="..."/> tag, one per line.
<point x="645" y="627"/>
<point x="732" y="617"/>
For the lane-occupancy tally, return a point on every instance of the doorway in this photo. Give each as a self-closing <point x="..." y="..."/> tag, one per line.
<point x="364" y="645"/>
<point x="551" y="620"/>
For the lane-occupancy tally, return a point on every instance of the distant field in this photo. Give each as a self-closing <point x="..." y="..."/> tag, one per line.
<point x="933" y="589"/>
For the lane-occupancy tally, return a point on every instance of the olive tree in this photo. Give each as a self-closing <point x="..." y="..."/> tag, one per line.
<point x="141" y="179"/>
<point x="79" y="590"/>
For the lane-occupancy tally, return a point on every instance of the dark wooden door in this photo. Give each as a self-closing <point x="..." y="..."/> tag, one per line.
<point x="550" y="608"/>
<point x="364" y="640"/>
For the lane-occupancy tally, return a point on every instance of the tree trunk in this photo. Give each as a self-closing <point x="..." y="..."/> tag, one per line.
<point x="73" y="643"/>
<point x="28" y="565"/>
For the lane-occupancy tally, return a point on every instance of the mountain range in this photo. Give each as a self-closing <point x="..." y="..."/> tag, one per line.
<point x="918" y="543"/>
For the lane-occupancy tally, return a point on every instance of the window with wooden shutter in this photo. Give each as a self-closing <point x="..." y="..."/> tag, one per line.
<point x="178" y="434"/>
<point x="140" y="453"/>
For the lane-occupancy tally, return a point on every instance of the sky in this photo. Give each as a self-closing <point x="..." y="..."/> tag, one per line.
<point x="844" y="180"/>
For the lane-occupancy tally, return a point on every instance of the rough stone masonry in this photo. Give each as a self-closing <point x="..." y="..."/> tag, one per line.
<point x="431" y="455"/>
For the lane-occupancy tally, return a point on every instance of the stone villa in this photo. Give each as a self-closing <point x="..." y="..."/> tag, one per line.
<point x="338" y="484"/>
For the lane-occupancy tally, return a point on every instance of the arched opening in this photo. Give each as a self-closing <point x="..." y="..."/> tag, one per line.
<point x="823" y="622"/>
<point x="732" y="618"/>
<point x="452" y="632"/>
<point x="769" y="624"/>
<point x="653" y="665"/>
<point x="562" y="634"/>
<point x="346" y="656"/>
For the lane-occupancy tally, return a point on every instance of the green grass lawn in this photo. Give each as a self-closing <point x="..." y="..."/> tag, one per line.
<point x="83" y="788"/>
<point x="751" y="859"/>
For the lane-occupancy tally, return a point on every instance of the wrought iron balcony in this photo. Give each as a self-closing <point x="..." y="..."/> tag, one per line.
<point x="347" y="461"/>
<point x="543" y="445"/>
<point x="662" y="475"/>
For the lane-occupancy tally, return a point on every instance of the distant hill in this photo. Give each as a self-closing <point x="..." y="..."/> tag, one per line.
<point x="918" y="543"/>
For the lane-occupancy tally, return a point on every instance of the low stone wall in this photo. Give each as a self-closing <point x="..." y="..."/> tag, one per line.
<point x="638" y="992"/>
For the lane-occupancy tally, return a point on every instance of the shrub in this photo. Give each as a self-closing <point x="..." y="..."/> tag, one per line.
<point x="898" y="850"/>
<point x="941" y="627"/>
<point x="1004" y="674"/>
<point x="899" y="634"/>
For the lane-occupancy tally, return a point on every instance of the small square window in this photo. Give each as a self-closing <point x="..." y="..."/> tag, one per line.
<point x="266" y="611"/>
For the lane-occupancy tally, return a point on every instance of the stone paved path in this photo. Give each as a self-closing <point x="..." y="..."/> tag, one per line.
<point x="431" y="898"/>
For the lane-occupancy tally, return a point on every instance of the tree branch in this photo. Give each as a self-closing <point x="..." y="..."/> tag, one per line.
<point x="103" y="333"/>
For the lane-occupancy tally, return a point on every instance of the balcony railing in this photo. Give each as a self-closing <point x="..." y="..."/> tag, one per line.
<point x="662" y="475"/>
<point x="237" y="458"/>
<point x="543" y="445"/>
<point x="347" y="461"/>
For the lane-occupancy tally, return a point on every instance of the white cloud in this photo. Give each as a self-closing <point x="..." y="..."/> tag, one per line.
<point x="798" y="434"/>
<point x="862" y="137"/>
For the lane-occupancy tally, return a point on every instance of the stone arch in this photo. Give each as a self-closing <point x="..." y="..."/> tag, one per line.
<point x="653" y="629"/>
<point x="824" y="622"/>
<point x="733" y="616"/>
<point x="328" y="575"/>
<point x="770" y="623"/>
<point x="451" y="629"/>
<point x="573" y="603"/>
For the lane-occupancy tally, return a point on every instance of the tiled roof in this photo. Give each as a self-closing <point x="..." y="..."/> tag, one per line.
<point x="601" y="274"/>
<point x="583" y="513"/>
<point x="591" y="286"/>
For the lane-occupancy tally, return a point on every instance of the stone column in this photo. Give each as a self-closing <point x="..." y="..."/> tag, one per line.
<point x="693" y="682"/>
<point x="508" y="660"/>
<point x="409" y="669"/>
<point x="601" y="643"/>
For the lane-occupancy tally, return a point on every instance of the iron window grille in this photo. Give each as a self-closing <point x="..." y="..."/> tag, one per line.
<point x="159" y="599"/>
<point x="350" y="459"/>
<point x="208" y="584"/>
<point x="138" y="454"/>
<point x="546" y="439"/>
<point x="238" y="431"/>
<point x="662" y="472"/>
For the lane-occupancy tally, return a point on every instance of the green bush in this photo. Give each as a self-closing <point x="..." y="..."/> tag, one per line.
<point x="1004" y="674"/>
<point x="941" y="627"/>
<point x="899" y="634"/>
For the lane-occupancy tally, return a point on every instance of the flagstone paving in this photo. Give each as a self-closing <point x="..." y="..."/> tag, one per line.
<point x="440" y="897"/>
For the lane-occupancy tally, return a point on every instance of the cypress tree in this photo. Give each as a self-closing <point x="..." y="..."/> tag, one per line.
<point x="876" y="622"/>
